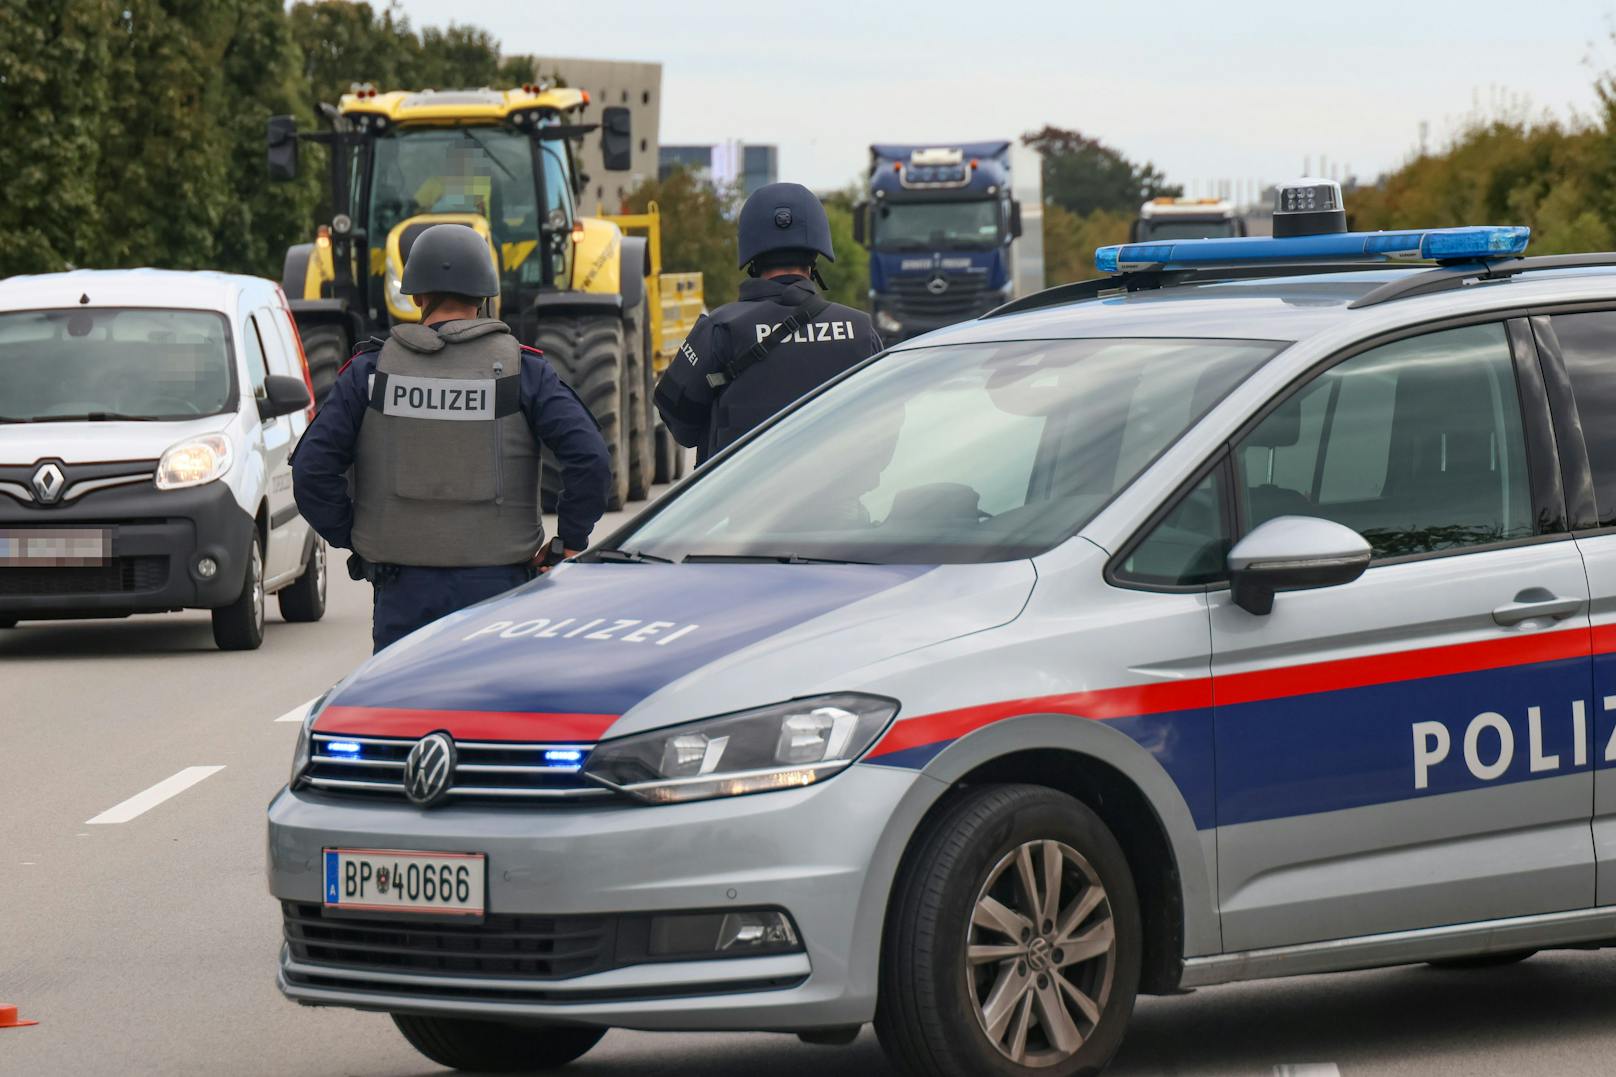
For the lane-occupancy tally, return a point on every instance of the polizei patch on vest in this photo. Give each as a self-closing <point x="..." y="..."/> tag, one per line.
<point x="437" y="398"/>
<point x="812" y="333"/>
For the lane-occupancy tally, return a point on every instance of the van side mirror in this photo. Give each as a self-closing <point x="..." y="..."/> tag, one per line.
<point x="1015" y="219"/>
<point x="861" y="230"/>
<point x="283" y="395"/>
<point x="1293" y="553"/>
<point x="282" y="140"/>
<point x="616" y="139"/>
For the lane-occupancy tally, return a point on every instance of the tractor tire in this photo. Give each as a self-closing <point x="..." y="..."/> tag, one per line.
<point x="586" y="351"/>
<point x="327" y="348"/>
<point x="642" y="413"/>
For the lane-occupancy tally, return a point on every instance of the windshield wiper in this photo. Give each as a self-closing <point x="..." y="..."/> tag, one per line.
<point x="616" y="556"/>
<point x="765" y="559"/>
<point x="93" y="417"/>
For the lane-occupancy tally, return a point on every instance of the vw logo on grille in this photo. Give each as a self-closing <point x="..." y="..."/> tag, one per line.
<point x="429" y="770"/>
<point x="48" y="482"/>
<point x="937" y="285"/>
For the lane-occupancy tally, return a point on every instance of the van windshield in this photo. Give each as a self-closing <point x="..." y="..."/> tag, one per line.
<point x="952" y="454"/>
<point x="113" y="363"/>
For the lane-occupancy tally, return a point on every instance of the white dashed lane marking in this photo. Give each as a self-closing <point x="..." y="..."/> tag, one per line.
<point x="141" y="803"/>
<point x="299" y="712"/>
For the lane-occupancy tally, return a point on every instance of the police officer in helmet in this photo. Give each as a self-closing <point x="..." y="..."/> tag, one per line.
<point x="780" y="340"/>
<point x="441" y="424"/>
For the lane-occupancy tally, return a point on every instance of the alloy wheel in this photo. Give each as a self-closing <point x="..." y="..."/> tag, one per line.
<point x="1040" y="953"/>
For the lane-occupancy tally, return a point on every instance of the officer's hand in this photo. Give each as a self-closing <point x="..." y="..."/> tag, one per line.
<point x="539" y="559"/>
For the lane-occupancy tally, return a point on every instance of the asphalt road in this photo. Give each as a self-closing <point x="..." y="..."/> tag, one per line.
<point x="148" y="946"/>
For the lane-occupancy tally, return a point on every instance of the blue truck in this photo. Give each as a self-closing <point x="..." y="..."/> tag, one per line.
<point x="941" y="223"/>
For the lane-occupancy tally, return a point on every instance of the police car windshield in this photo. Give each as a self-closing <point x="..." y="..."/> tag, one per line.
<point x="928" y="225"/>
<point x="110" y="363"/>
<point x="953" y="454"/>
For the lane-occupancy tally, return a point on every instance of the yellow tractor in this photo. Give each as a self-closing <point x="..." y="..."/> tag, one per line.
<point x="591" y="297"/>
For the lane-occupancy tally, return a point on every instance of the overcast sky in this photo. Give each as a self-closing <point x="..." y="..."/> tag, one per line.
<point x="1241" y="89"/>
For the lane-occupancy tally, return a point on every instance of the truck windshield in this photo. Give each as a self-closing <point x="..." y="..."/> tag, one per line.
<point x="936" y="225"/>
<point x="953" y="454"/>
<point x="1168" y="228"/>
<point x="109" y="363"/>
<point x="482" y="170"/>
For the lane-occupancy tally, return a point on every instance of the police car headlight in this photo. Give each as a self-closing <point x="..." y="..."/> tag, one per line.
<point x="784" y="746"/>
<point x="194" y="462"/>
<point x="302" y="755"/>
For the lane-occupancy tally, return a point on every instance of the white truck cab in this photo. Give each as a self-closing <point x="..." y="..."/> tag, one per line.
<point x="147" y="419"/>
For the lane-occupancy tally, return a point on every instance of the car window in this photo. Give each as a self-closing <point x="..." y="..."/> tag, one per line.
<point x="956" y="453"/>
<point x="1189" y="546"/>
<point x="254" y="345"/>
<point x="1588" y="344"/>
<point x="1416" y="445"/>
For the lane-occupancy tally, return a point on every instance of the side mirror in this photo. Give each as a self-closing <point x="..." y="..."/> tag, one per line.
<point x="861" y="215"/>
<point x="1293" y="553"/>
<point x="1015" y="219"/>
<point x="616" y="139"/>
<point x="283" y="395"/>
<point x="282" y="148"/>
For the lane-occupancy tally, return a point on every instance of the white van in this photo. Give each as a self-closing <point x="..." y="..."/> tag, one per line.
<point x="146" y="421"/>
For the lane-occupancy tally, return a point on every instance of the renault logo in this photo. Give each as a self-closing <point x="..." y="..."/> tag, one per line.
<point x="937" y="285"/>
<point x="48" y="482"/>
<point x="429" y="770"/>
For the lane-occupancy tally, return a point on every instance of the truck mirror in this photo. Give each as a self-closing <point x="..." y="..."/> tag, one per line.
<point x="282" y="142"/>
<point x="861" y="216"/>
<point x="616" y="139"/>
<point x="1133" y="232"/>
<point x="1015" y="219"/>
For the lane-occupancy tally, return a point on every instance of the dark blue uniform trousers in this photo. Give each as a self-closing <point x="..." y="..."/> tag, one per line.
<point x="408" y="597"/>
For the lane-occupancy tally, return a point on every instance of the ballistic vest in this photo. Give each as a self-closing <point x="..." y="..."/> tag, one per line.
<point x="838" y="338"/>
<point x="447" y="470"/>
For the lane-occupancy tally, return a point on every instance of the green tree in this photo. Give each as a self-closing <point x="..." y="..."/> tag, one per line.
<point x="847" y="280"/>
<point x="698" y="229"/>
<point x="1082" y="174"/>
<point x="1070" y="240"/>
<point x="55" y="99"/>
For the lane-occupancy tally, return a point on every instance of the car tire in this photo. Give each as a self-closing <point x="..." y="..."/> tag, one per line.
<point x="586" y="351"/>
<point x="943" y="965"/>
<point x="492" y="1047"/>
<point x="1482" y="961"/>
<point x="240" y="625"/>
<point x="642" y="414"/>
<point x="327" y="348"/>
<point x="303" y="601"/>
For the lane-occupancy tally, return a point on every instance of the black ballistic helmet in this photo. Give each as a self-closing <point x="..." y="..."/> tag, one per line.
<point x="452" y="259"/>
<point x="783" y="217"/>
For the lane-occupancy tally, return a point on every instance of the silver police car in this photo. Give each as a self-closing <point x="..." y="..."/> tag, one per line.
<point x="1248" y="612"/>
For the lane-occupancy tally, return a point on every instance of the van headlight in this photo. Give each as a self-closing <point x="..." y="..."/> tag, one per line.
<point x="194" y="462"/>
<point x="783" y="746"/>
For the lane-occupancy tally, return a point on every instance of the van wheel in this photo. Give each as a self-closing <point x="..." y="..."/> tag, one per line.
<point x="240" y="625"/>
<point x="304" y="600"/>
<point x="586" y="351"/>
<point x="1482" y="961"/>
<point x="491" y="1047"/>
<point x="1013" y="941"/>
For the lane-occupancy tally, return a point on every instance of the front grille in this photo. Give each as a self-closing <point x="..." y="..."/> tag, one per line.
<point x="120" y="575"/>
<point x="484" y="770"/>
<point x="966" y="295"/>
<point x="507" y="947"/>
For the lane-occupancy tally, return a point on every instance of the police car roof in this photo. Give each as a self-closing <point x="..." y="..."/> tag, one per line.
<point x="1284" y="308"/>
<point x="166" y="288"/>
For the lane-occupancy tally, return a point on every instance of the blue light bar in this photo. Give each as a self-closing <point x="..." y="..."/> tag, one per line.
<point x="341" y="747"/>
<point x="1442" y="245"/>
<point x="567" y="755"/>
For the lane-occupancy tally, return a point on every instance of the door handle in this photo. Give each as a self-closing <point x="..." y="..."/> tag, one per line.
<point x="1537" y="602"/>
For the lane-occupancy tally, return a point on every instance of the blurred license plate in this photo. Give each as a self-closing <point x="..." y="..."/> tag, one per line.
<point x="392" y="880"/>
<point x="43" y="548"/>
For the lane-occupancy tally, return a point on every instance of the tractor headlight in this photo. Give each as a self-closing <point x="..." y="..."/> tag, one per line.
<point x="783" y="746"/>
<point x="194" y="462"/>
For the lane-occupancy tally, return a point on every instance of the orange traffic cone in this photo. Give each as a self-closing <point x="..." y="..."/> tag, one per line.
<point x="9" y="1018"/>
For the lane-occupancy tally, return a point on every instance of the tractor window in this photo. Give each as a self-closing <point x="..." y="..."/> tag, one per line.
<point x="483" y="170"/>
